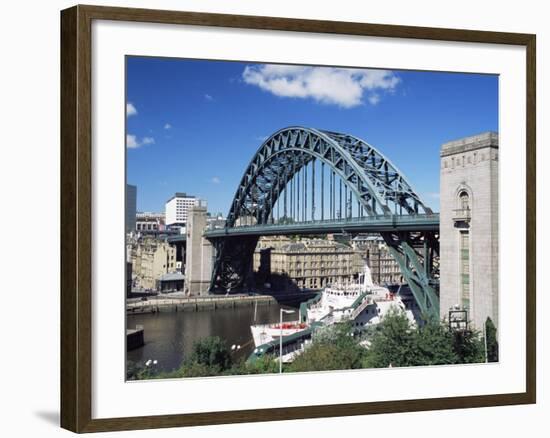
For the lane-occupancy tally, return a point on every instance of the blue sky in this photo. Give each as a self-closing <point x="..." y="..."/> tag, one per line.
<point x="193" y="126"/>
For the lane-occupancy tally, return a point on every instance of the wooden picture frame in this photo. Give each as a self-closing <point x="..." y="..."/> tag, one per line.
<point x="76" y="217"/>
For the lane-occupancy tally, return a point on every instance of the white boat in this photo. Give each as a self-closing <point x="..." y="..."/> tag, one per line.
<point x="362" y="302"/>
<point x="264" y="333"/>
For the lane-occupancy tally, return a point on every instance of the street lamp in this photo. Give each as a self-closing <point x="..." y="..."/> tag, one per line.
<point x="281" y="337"/>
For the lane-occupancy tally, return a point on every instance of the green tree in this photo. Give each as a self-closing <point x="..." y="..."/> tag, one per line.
<point x="212" y="352"/>
<point x="398" y="343"/>
<point x="492" y="343"/>
<point x="433" y="345"/>
<point x="392" y="343"/>
<point x="263" y="365"/>
<point x="469" y="346"/>
<point x="333" y="348"/>
<point x="197" y="369"/>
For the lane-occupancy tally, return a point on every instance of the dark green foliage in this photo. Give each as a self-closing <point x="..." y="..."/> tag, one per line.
<point x="334" y="348"/>
<point x="492" y="343"/>
<point x="210" y="357"/>
<point x="211" y="352"/>
<point x="468" y="346"/>
<point x="197" y="369"/>
<point x="392" y="343"/>
<point x="434" y="345"/>
<point x="265" y="364"/>
<point x="398" y="344"/>
<point x="139" y="371"/>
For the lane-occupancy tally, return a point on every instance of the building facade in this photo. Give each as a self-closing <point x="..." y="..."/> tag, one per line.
<point x="177" y="207"/>
<point x="130" y="207"/>
<point x="309" y="263"/>
<point x="384" y="268"/>
<point x="151" y="260"/>
<point x="147" y="222"/>
<point x="469" y="227"/>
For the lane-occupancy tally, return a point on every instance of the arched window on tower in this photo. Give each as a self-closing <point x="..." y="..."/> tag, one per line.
<point x="462" y="212"/>
<point x="464" y="200"/>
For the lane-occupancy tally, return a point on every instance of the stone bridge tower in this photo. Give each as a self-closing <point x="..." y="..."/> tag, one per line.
<point x="198" y="257"/>
<point x="469" y="227"/>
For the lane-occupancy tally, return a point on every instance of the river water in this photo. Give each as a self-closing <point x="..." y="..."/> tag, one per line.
<point x="169" y="336"/>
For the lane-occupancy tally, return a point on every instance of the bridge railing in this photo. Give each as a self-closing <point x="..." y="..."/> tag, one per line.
<point x="409" y="218"/>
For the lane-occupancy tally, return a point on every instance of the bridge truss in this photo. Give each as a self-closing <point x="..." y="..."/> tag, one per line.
<point x="308" y="176"/>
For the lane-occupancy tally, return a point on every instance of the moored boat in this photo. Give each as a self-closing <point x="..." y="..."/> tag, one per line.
<point x="264" y="333"/>
<point x="363" y="303"/>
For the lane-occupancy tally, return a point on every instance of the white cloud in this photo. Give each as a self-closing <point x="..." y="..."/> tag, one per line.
<point x="208" y="97"/>
<point x="130" y="109"/>
<point x="132" y="142"/>
<point x="337" y="86"/>
<point x="374" y="99"/>
<point x="216" y="180"/>
<point x="167" y="126"/>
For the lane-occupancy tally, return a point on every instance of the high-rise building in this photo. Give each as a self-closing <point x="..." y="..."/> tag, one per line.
<point x="469" y="227"/>
<point x="177" y="207"/>
<point x="131" y="197"/>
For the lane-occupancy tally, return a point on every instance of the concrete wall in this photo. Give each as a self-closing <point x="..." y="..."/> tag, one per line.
<point x="198" y="264"/>
<point x="470" y="165"/>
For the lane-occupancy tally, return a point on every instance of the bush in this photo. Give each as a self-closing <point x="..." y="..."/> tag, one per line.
<point x="469" y="346"/>
<point x="492" y="343"/>
<point x="397" y="343"/>
<point x="211" y="352"/>
<point x="392" y="343"/>
<point x="263" y="365"/>
<point x="433" y="345"/>
<point x="333" y="348"/>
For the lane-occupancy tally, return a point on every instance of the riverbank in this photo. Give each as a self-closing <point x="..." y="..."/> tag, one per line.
<point x="195" y="304"/>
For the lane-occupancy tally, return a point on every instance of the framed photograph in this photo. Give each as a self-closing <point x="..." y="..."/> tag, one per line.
<point x="268" y="218"/>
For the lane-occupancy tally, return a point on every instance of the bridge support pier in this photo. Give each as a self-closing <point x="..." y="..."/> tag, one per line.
<point x="233" y="263"/>
<point x="198" y="258"/>
<point x="417" y="268"/>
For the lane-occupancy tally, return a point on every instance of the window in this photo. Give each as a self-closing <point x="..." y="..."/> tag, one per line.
<point x="464" y="200"/>
<point x="464" y="251"/>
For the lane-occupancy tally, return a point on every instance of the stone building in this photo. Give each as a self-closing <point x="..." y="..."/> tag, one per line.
<point x="147" y="222"/>
<point x="151" y="259"/>
<point x="469" y="227"/>
<point x="384" y="268"/>
<point x="309" y="263"/>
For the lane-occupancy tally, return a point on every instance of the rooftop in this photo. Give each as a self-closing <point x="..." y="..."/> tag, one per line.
<point x="172" y="276"/>
<point x="181" y="195"/>
<point x="311" y="244"/>
<point x="484" y="140"/>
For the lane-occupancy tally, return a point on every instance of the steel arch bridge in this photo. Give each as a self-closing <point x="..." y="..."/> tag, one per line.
<point x="356" y="189"/>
